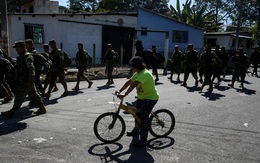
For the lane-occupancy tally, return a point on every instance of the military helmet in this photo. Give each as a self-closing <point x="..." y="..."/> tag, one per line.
<point x="28" y="41"/>
<point x="19" y="44"/>
<point x="45" y="45"/>
<point x="52" y="42"/>
<point x="190" y="45"/>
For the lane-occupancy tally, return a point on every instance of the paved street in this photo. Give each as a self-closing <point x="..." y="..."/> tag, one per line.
<point x="221" y="126"/>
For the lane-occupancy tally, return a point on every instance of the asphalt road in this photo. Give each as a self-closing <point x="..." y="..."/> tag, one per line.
<point x="221" y="126"/>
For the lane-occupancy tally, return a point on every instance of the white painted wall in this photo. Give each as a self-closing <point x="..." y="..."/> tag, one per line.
<point x="69" y="33"/>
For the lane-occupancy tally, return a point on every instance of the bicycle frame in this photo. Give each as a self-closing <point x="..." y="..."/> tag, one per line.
<point x="133" y="111"/>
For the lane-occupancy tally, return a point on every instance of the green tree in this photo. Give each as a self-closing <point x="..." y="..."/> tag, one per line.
<point x="194" y="15"/>
<point x="83" y="5"/>
<point x="181" y="15"/>
<point x="160" y="6"/>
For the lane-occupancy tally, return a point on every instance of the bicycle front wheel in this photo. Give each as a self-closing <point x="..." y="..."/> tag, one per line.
<point x="162" y="123"/>
<point x="109" y="127"/>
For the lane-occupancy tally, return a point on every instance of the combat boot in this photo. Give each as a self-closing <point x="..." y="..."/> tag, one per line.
<point x="48" y="95"/>
<point x="76" y="88"/>
<point x="7" y="99"/>
<point x="9" y="90"/>
<point x="196" y="83"/>
<point x="90" y="84"/>
<point x="65" y="93"/>
<point x="41" y="110"/>
<point x="210" y="88"/>
<point x="231" y="85"/>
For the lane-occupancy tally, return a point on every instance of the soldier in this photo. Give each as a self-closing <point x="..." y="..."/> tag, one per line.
<point x="241" y="65"/>
<point x="57" y="69"/>
<point x="37" y="64"/>
<point x="82" y="60"/>
<point x="255" y="58"/>
<point x="48" y="57"/>
<point x="224" y="61"/>
<point x="191" y="62"/>
<point x="220" y="69"/>
<point x="110" y="61"/>
<point x="9" y="76"/>
<point x="5" y="68"/>
<point x="176" y="62"/>
<point x="209" y="62"/>
<point x="154" y="58"/>
<point x="142" y="53"/>
<point x="26" y="76"/>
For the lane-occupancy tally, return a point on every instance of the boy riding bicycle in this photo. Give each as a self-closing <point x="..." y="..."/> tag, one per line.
<point x="147" y="97"/>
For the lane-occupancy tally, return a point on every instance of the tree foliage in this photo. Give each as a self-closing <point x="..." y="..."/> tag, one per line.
<point x="160" y="6"/>
<point x="194" y="15"/>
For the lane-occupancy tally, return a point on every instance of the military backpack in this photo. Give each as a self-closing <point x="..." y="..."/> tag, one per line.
<point x="67" y="60"/>
<point x="6" y="66"/>
<point x="41" y="64"/>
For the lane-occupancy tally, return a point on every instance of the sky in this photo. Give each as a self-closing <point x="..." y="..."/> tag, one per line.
<point x="171" y="2"/>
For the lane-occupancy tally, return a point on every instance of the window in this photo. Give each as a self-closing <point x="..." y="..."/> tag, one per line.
<point x="180" y="36"/>
<point x="34" y="32"/>
<point x="144" y="31"/>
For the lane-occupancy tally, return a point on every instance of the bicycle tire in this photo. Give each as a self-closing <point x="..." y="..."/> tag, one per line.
<point x="102" y="130"/>
<point x="161" y="130"/>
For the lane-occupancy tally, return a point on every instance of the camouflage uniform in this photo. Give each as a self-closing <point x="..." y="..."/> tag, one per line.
<point x="48" y="57"/>
<point x="110" y="63"/>
<point x="220" y="70"/>
<point x="143" y="54"/>
<point x="176" y="63"/>
<point x="82" y="60"/>
<point x="242" y="63"/>
<point x="38" y="68"/>
<point x="154" y="62"/>
<point x="57" y="69"/>
<point x="4" y="87"/>
<point x="191" y="63"/>
<point x="255" y="59"/>
<point x="209" y="62"/>
<point x="26" y="76"/>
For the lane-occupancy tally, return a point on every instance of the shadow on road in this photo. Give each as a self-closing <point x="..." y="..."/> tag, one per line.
<point x="99" y="88"/>
<point x="176" y="81"/>
<point x="192" y="89"/>
<point x="10" y="125"/>
<point x="158" y="83"/>
<point x="211" y="96"/>
<point x="246" y="91"/>
<point x="111" y="152"/>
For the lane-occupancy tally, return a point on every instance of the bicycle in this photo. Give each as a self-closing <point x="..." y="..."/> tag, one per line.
<point x="110" y="127"/>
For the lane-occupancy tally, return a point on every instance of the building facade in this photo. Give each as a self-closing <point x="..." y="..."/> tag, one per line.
<point x="96" y="30"/>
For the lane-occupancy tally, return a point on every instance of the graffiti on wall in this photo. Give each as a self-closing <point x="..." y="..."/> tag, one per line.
<point x="4" y="43"/>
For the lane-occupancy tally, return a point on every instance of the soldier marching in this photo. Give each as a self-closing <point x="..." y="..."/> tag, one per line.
<point x="210" y="63"/>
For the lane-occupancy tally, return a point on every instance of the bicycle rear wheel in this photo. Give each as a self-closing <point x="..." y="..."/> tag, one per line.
<point x="162" y="125"/>
<point x="107" y="132"/>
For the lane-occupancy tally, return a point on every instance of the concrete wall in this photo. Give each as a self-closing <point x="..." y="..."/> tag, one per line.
<point x="46" y="6"/>
<point x="227" y="40"/>
<point x="68" y="29"/>
<point x="42" y="6"/>
<point x="156" y="22"/>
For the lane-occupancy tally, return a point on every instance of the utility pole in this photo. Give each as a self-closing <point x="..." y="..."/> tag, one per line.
<point x="238" y="22"/>
<point x="258" y="26"/>
<point x="4" y="36"/>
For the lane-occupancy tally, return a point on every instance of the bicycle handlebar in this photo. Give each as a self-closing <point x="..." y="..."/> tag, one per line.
<point x="118" y="95"/>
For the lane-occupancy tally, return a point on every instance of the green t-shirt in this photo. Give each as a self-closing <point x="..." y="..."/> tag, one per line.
<point x="146" y="88"/>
